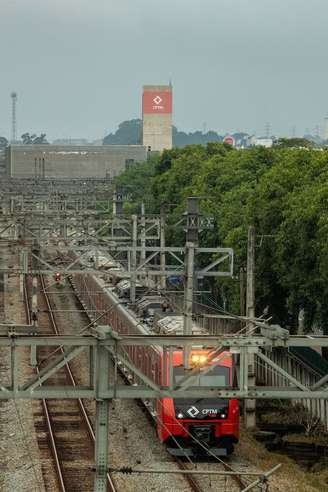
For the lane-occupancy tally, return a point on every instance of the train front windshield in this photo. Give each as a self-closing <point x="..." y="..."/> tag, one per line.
<point x="203" y="408"/>
<point x="218" y="376"/>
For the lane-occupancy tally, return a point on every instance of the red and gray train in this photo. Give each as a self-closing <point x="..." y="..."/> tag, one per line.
<point x="189" y="427"/>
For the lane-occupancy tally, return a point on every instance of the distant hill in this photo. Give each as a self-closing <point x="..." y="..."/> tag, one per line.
<point x="130" y="133"/>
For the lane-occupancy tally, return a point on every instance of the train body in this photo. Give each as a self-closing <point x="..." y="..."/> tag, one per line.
<point x="189" y="427"/>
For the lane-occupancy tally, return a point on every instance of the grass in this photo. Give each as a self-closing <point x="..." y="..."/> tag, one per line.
<point x="290" y="477"/>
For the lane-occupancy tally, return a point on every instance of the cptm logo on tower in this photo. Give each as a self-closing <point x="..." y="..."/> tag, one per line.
<point x="157" y="100"/>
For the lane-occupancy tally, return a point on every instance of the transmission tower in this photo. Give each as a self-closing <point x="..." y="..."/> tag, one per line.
<point x="13" y="117"/>
<point x="267" y="130"/>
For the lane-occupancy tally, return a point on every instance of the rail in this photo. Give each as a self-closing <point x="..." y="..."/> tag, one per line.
<point x="83" y="411"/>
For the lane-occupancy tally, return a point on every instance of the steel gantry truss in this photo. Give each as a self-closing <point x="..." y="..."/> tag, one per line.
<point x="103" y="337"/>
<point x="103" y="344"/>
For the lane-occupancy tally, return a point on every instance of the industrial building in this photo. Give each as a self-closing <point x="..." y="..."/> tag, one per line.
<point x="157" y="117"/>
<point x="71" y="161"/>
<point x="325" y="129"/>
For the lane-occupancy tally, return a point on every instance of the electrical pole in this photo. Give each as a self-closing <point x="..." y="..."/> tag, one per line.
<point x="162" y="245"/>
<point x="133" y="273"/>
<point x="118" y="201"/>
<point x="102" y="421"/>
<point x="143" y="234"/>
<point x="250" y="407"/>
<point x="242" y="291"/>
<point x="191" y="244"/>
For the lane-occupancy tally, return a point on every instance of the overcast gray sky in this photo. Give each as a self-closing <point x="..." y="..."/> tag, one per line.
<point x="78" y="66"/>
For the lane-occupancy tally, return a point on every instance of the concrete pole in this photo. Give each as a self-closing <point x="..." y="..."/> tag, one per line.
<point x="133" y="275"/>
<point x="242" y="291"/>
<point x="118" y="203"/>
<point x="191" y="244"/>
<point x="118" y="200"/>
<point x="34" y="303"/>
<point x="162" y="245"/>
<point x="24" y="266"/>
<point x="143" y="234"/>
<point x="250" y="405"/>
<point x="102" y="422"/>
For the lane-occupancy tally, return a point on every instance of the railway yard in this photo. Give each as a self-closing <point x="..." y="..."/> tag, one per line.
<point x="163" y="246"/>
<point x="92" y="411"/>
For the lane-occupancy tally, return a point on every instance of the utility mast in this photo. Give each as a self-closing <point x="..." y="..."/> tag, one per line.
<point x="191" y="245"/>
<point x="13" y="117"/>
<point x="250" y="408"/>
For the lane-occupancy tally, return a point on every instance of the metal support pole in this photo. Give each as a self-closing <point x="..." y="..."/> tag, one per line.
<point x="133" y="278"/>
<point x="243" y="369"/>
<point x="102" y="418"/>
<point x="118" y="201"/>
<point x="143" y="234"/>
<point x="191" y="244"/>
<point x="250" y="406"/>
<point x="162" y="245"/>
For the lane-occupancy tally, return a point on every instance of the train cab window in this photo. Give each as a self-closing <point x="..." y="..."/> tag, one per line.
<point x="218" y="376"/>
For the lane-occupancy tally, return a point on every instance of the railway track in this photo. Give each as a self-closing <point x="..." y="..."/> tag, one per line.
<point x="189" y="478"/>
<point x="64" y="425"/>
<point x="194" y="485"/>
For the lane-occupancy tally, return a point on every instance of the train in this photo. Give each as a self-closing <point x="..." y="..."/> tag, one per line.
<point x="188" y="427"/>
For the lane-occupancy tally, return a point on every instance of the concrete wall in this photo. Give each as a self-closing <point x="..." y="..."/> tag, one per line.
<point x="157" y="131"/>
<point x="71" y="161"/>
<point x="325" y="129"/>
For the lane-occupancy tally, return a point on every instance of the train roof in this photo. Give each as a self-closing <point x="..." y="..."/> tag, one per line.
<point x="174" y="325"/>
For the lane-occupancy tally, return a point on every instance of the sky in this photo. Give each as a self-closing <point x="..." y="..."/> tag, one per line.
<point x="78" y="66"/>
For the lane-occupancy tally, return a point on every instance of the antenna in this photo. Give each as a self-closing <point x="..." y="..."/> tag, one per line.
<point x="13" y="117"/>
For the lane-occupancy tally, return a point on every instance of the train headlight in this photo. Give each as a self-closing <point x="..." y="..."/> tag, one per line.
<point x="198" y="360"/>
<point x="223" y="416"/>
<point x="180" y="415"/>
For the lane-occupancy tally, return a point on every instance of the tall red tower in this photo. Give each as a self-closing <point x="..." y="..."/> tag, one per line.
<point x="157" y="117"/>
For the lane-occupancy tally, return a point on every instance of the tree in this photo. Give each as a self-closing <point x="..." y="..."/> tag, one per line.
<point x="27" y="138"/>
<point x="128" y="133"/>
<point x="3" y="142"/>
<point x="41" y="139"/>
<point x="283" y="192"/>
<point x="33" y="139"/>
<point x="294" y="143"/>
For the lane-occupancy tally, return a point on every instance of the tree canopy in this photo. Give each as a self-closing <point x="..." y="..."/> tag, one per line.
<point x="33" y="139"/>
<point x="130" y="133"/>
<point x="282" y="192"/>
<point x="3" y="142"/>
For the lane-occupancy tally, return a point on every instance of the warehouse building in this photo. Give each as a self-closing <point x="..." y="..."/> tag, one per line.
<point x="71" y="161"/>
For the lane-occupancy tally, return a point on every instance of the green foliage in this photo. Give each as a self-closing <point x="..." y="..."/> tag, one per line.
<point x="33" y="139"/>
<point x="294" y="143"/>
<point x="128" y="133"/>
<point x="282" y="192"/>
<point x="136" y="181"/>
<point x="3" y="142"/>
<point x="182" y="139"/>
